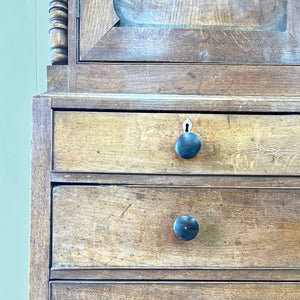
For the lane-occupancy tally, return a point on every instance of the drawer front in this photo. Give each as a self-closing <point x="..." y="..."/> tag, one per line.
<point x="144" y="143"/>
<point x="175" y="290"/>
<point x="113" y="226"/>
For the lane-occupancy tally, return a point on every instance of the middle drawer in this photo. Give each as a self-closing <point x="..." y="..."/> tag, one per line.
<point x="123" y="226"/>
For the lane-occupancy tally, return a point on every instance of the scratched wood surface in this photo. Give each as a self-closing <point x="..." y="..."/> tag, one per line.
<point x="40" y="199"/>
<point x="133" y="226"/>
<point x="177" y="45"/>
<point x="251" y="14"/>
<point x="144" y="143"/>
<point x="231" y="31"/>
<point x="174" y="290"/>
<point x="97" y="17"/>
<point x="180" y="79"/>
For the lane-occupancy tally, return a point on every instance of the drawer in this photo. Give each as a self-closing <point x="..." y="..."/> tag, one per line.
<point x="124" y="226"/>
<point x="144" y="143"/>
<point x="174" y="290"/>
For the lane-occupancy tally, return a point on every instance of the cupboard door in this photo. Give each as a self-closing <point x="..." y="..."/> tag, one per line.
<point x="231" y="31"/>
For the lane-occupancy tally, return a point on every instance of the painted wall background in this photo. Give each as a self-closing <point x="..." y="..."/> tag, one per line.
<point x="24" y="55"/>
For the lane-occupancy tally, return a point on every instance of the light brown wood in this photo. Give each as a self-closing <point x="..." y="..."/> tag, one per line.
<point x="180" y="79"/>
<point x="287" y="182"/>
<point x="40" y="199"/>
<point x="114" y="226"/>
<point x="177" y="45"/>
<point x="229" y="14"/>
<point x="235" y="32"/>
<point x="175" y="103"/>
<point x="59" y="31"/>
<point x="144" y="143"/>
<point x="171" y="273"/>
<point x="174" y="290"/>
<point x="98" y="15"/>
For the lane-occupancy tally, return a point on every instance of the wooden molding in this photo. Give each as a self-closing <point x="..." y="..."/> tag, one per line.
<point x="58" y="32"/>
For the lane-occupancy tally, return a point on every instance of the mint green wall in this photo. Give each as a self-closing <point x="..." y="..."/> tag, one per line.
<point x="23" y="59"/>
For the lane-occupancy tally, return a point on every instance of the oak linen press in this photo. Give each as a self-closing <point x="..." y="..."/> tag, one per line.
<point x="166" y="152"/>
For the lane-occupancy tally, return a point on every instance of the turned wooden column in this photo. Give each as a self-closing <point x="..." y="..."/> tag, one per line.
<point x="58" y="31"/>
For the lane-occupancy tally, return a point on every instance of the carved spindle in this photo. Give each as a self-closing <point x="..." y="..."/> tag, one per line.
<point x="59" y="31"/>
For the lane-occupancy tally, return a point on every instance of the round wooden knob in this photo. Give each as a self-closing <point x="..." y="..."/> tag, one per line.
<point x="187" y="145"/>
<point x="186" y="228"/>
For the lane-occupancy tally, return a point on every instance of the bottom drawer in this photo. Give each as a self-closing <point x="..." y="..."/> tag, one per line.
<point x="173" y="290"/>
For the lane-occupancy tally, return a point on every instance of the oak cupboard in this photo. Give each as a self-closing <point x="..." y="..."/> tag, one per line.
<point x="112" y="201"/>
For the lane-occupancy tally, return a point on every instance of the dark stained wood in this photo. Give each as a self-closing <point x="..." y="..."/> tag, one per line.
<point x="181" y="79"/>
<point x="40" y="199"/>
<point x="264" y="274"/>
<point x="174" y="290"/>
<point x="180" y="103"/>
<point x="177" y="45"/>
<point x="59" y="31"/>
<point x="173" y="180"/>
<point x="230" y="14"/>
<point x="113" y="226"/>
<point x="143" y="143"/>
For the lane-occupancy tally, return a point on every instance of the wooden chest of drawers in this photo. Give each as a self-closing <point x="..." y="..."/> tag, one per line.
<point x="109" y="190"/>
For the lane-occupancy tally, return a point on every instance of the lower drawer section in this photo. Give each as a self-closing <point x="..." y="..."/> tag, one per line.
<point x="173" y="290"/>
<point x="119" y="227"/>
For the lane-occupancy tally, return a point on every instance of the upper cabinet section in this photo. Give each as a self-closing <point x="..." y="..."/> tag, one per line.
<point x="222" y="31"/>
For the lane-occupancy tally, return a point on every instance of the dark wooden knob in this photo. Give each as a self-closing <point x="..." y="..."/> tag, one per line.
<point x="187" y="145"/>
<point x="186" y="228"/>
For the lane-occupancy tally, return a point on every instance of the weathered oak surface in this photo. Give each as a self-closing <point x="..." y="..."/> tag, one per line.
<point x="40" y="199"/>
<point x="251" y="14"/>
<point x="172" y="273"/>
<point x="234" y="32"/>
<point x="180" y="79"/>
<point x="173" y="290"/>
<point x="133" y="227"/>
<point x="144" y="143"/>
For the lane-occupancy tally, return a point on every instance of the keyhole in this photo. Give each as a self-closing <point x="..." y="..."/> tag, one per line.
<point x="187" y="127"/>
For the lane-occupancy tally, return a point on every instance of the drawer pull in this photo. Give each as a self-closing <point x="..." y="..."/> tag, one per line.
<point x="186" y="228"/>
<point x="188" y="144"/>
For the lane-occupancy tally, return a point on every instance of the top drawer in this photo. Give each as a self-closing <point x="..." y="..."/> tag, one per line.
<point x="111" y="142"/>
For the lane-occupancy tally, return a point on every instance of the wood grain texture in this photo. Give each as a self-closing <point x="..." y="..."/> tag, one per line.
<point x="180" y="103"/>
<point x="287" y="182"/>
<point x="98" y="15"/>
<point x="40" y="199"/>
<point x="59" y="31"/>
<point x="174" y="290"/>
<point x="180" y="79"/>
<point x="233" y="14"/>
<point x="171" y="273"/>
<point x="293" y="20"/>
<point x="130" y="226"/>
<point x="144" y="143"/>
<point x="177" y="45"/>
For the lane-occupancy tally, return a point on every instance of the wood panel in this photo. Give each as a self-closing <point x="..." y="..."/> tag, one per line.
<point x="174" y="290"/>
<point x="40" y="199"/>
<point x="144" y="143"/>
<point x="235" y="32"/>
<point x="171" y="273"/>
<point x="180" y="79"/>
<point x="286" y="182"/>
<point x="112" y="226"/>
<point x="177" y="45"/>
<point x="98" y="15"/>
<point x="233" y="14"/>
<point x="180" y="103"/>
